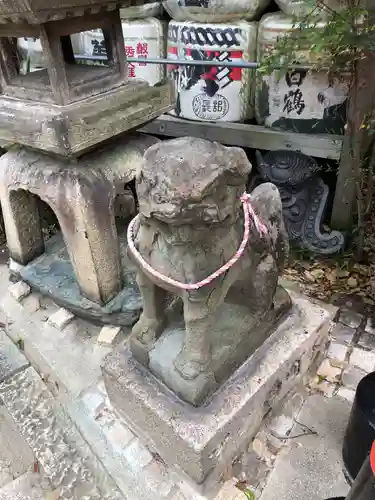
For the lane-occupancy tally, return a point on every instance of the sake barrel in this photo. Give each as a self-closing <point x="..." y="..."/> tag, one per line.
<point x="300" y="100"/>
<point x="31" y="53"/>
<point x="301" y="8"/>
<point x="208" y="93"/>
<point x="141" y="11"/>
<point x="144" y="38"/>
<point x="215" y="11"/>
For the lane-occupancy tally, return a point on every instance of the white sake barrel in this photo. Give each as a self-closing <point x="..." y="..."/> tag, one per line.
<point x="300" y="8"/>
<point x="144" y="38"/>
<point x="31" y="50"/>
<point x="213" y="93"/>
<point x="154" y="9"/>
<point x="215" y="11"/>
<point x="301" y="100"/>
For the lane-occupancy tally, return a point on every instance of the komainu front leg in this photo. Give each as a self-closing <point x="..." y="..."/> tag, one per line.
<point x="195" y="355"/>
<point x="152" y="320"/>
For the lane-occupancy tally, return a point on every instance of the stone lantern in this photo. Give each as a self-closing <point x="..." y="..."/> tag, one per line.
<point x="68" y="107"/>
<point x="58" y="116"/>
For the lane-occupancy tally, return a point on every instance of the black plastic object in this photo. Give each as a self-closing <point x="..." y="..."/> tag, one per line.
<point x="364" y="485"/>
<point x="360" y="433"/>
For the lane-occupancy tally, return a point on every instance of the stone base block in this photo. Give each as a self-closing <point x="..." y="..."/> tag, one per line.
<point x="73" y="129"/>
<point x="52" y="275"/>
<point x="234" y="338"/>
<point x="201" y="442"/>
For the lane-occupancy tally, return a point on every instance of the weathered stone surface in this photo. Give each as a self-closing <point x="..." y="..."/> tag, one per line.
<point x="329" y="372"/>
<point x="68" y="360"/>
<point x="346" y="393"/>
<point x="365" y="360"/>
<point x="72" y="130"/>
<point x="191" y="223"/>
<point x="31" y="303"/>
<point x="52" y="274"/>
<point x="16" y="457"/>
<point x="66" y="459"/>
<point x="350" y="318"/>
<point x="61" y="319"/>
<point x="343" y="334"/>
<point x="312" y="468"/>
<point x="202" y="441"/>
<point x="11" y="360"/>
<point x="30" y="486"/>
<point x="337" y="354"/>
<point x="82" y="196"/>
<point x="323" y="387"/>
<point x="351" y="377"/>
<point x="108" y="335"/>
<point x="19" y="290"/>
<point x="367" y="341"/>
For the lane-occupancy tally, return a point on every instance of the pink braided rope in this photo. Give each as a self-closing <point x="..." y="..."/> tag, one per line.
<point x="248" y="212"/>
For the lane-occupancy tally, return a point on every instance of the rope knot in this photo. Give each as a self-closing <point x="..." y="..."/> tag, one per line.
<point x="249" y="214"/>
<point x="245" y="198"/>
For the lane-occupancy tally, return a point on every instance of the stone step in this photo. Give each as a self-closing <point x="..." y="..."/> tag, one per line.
<point x="55" y="443"/>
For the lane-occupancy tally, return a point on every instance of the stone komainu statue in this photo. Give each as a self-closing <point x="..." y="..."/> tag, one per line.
<point x="191" y="223"/>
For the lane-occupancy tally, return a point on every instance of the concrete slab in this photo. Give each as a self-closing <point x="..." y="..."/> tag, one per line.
<point x="69" y="360"/>
<point x="312" y="467"/>
<point x="202" y="441"/>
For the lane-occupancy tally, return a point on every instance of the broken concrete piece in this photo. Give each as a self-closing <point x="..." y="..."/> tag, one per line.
<point x="108" y="335"/>
<point x="19" y="290"/>
<point x="61" y="318"/>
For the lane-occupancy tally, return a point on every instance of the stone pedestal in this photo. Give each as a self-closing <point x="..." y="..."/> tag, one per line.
<point x="230" y="340"/>
<point x="202" y="441"/>
<point x="82" y="195"/>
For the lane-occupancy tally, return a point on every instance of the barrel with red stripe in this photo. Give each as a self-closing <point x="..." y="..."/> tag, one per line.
<point x="209" y="93"/>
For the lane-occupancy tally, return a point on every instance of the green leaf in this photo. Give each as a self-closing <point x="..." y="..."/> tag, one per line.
<point x="250" y="495"/>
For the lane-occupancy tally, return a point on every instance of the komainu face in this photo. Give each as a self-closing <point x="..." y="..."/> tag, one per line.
<point x="192" y="181"/>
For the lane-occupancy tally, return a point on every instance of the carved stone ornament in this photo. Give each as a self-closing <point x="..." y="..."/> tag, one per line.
<point x="191" y="223"/>
<point x="304" y="197"/>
